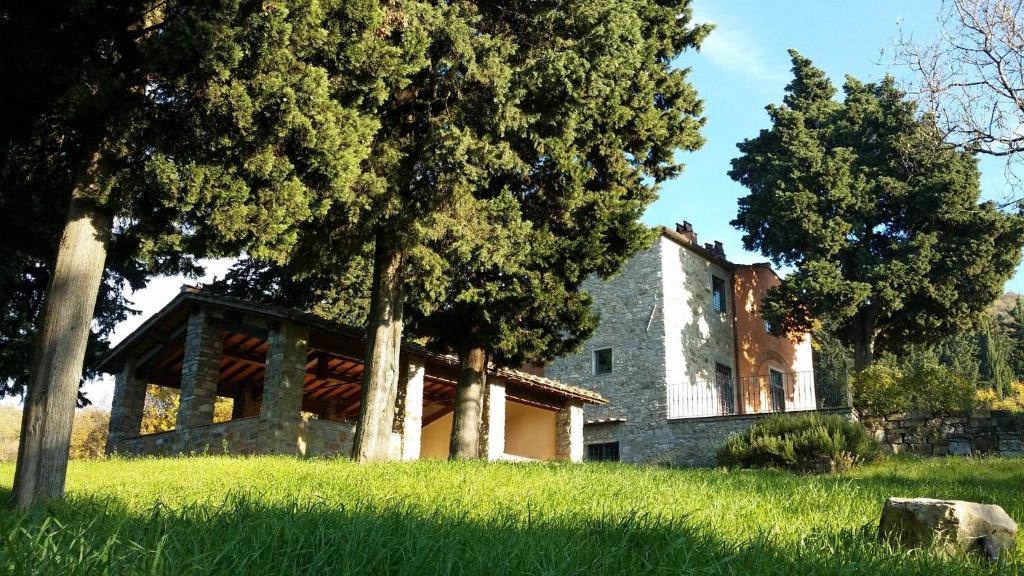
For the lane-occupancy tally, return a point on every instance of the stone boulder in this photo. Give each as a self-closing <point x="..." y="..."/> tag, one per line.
<point x="950" y="526"/>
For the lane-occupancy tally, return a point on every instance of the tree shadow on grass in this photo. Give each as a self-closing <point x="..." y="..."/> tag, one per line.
<point x="246" y="535"/>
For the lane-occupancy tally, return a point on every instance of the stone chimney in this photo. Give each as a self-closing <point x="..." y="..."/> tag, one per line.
<point x="719" y="249"/>
<point x="686" y="230"/>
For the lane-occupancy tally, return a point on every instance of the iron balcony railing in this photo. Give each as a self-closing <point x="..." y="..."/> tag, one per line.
<point x="775" y="392"/>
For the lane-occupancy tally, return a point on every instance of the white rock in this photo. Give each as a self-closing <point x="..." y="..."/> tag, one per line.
<point x="952" y="526"/>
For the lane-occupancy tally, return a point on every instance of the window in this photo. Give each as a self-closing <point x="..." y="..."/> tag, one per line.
<point x="726" y="396"/>
<point x="718" y="293"/>
<point x="778" y="389"/>
<point x="608" y="451"/>
<point x="768" y="326"/>
<point x="603" y="361"/>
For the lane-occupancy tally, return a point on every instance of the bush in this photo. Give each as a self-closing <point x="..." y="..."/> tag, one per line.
<point x="925" y="385"/>
<point x="938" y="389"/>
<point x="878" y="389"/>
<point x="804" y="443"/>
<point x="1013" y="401"/>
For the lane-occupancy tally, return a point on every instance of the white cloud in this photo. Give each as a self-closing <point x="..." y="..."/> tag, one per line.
<point x="735" y="49"/>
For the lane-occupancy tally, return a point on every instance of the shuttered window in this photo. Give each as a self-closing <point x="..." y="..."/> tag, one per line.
<point x="718" y="293"/>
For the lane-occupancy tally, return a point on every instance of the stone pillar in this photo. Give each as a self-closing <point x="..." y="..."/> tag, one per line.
<point x="569" y="432"/>
<point x="200" y="371"/>
<point x="409" y="408"/>
<point x="494" y="421"/>
<point x="280" y="413"/>
<point x="126" y="408"/>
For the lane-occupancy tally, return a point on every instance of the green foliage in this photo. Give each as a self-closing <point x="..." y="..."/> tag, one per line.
<point x="558" y="123"/>
<point x="204" y="128"/>
<point x="920" y="383"/>
<point x="878" y="389"/>
<point x="996" y="353"/>
<point x="218" y="515"/>
<point x="803" y="443"/>
<point x="930" y="386"/>
<point x="882" y="221"/>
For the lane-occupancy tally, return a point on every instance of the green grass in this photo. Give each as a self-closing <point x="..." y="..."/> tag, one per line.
<point x="219" y="515"/>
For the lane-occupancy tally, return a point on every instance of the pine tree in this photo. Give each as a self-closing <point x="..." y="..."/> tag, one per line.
<point x="165" y="131"/>
<point x="518" y="244"/>
<point x="880" y="219"/>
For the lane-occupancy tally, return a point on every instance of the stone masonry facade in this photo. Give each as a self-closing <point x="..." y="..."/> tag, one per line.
<point x="659" y="319"/>
<point x="992" y="432"/>
<point x="632" y="325"/>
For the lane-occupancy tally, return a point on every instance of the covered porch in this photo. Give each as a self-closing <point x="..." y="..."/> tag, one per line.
<point x="294" y="382"/>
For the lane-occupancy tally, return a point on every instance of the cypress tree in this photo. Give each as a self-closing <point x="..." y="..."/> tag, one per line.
<point x="880" y="219"/>
<point x="168" y="130"/>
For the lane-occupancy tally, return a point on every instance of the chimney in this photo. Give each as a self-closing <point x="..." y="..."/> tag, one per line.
<point x="719" y="249"/>
<point x="686" y="230"/>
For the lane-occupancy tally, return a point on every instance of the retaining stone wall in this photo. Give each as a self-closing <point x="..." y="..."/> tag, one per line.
<point x="243" y="436"/>
<point x="960" y="434"/>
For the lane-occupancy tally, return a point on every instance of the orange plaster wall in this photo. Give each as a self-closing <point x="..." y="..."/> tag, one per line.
<point x="436" y="438"/>
<point x="757" y="349"/>
<point x="529" y="431"/>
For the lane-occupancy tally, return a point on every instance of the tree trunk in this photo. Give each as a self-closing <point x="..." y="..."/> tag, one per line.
<point x="59" y="349"/>
<point x="863" y="348"/>
<point x="465" y="443"/>
<point x="383" y="346"/>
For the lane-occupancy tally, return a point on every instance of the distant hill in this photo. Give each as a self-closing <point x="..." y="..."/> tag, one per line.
<point x="1004" y="305"/>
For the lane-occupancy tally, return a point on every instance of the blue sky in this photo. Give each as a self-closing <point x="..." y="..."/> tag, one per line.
<point x="743" y="66"/>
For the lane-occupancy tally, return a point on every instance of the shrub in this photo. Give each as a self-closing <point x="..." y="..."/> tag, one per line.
<point x="804" y="443"/>
<point x="924" y="385"/>
<point x="878" y="389"/>
<point x="930" y="386"/>
<point x="1013" y="401"/>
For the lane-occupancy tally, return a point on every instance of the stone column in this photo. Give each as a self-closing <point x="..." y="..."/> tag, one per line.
<point x="200" y="371"/>
<point x="126" y="407"/>
<point x="494" y="421"/>
<point x="409" y="408"/>
<point x="280" y="416"/>
<point x="569" y="432"/>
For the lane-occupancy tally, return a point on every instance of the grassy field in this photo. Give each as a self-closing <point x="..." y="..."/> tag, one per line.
<point x="219" y="515"/>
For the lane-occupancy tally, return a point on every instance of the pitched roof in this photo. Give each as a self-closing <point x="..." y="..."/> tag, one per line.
<point x="191" y="296"/>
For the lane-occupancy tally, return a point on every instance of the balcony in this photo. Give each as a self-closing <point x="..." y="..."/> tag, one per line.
<point x="777" y="392"/>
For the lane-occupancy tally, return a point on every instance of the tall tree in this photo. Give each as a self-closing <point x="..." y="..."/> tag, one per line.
<point x="169" y="130"/>
<point x="879" y="217"/>
<point x="598" y="113"/>
<point x="513" y="165"/>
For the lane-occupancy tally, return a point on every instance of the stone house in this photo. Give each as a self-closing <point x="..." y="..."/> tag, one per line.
<point x="684" y="357"/>
<point x="294" y="381"/>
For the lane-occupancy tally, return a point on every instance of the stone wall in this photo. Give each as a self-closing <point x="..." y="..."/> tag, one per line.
<point x="690" y="442"/>
<point x="697" y="337"/>
<point x="959" y="434"/>
<point x="632" y="325"/>
<point x="244" y="436"/>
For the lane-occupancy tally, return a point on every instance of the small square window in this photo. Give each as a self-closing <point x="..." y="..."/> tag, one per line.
<point x="718" y="293"/>
<point x="603" y="361"/>
<point x="606" y="452"/>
